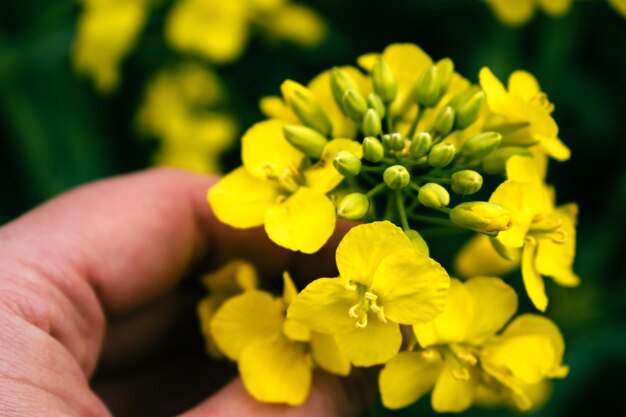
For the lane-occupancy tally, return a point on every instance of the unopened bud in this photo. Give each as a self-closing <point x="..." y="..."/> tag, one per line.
<point x="310" y="113"/>
<point x="433" y="195"/>
<point x="418" y="241"/>
<point x="441" y="155"/>
<point x="373" y="150"/>
<point x="396" y="177"/>
<point x="371" y="124"/>
<point x="466" y="182"/>
<point x="384" y="82"/>
<point x="427" y="88"/>
<point x="444" y="121"/>
<point x="397" y="142"/>
<point x="445" y="69"/>
<point x="469" y="111"/>
<point x="354" y="105"/>
<point x="340" y="82"/>
<point x="376" y="103"/>
<point x="420" y="145"/>
<point x="496" y="162"/>
<point x="482" y="217"/>
<point x="481" y="145"/>
<point x="353" y="206"/>
<point x="347" y="164"/>
<point x="305" y="139"/>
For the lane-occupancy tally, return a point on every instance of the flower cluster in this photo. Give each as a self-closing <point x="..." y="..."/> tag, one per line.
<point x="412" y="149"/>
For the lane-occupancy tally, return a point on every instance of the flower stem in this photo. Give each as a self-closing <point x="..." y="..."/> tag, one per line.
<point x="418" y="116"/>
<point x="376" y="190"/>
<point x="431" y="219"/>
<point x="401" y="210"/>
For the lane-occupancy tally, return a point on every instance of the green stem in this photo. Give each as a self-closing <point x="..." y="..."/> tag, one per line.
<point x="416" y="121"/>
<point x="431" y="219"/>
<point x="438" y="180"/>
<point x="443" y="231"/>
<point x="376" y="190"/>
<point x="367" y="177"/>
<point x="402" y="211"/>
<point x="372" y="169"/>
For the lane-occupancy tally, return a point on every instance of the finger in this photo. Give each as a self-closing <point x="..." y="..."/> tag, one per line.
<point x="330" y="396"/>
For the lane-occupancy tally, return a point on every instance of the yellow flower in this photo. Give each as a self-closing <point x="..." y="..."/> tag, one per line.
<point x="275" y="355"/>
<point x="522" y="114"/>
<point x="218" y="30"/>
<point x="107" y="31"/>
<point x="384" y="282"/>
<point x="518" y="12"/>
<point x="546" y="233"/>
<point x="235" y="277"/>
<point x="478" y="257"/>
<point x="177" y="109"/>
<point x="276" y="189"/>
<point x="460" y="353"/>
<point x="619" y="6"/>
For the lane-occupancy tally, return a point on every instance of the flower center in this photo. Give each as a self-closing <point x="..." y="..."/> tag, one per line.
<point x="550" y="228"/>
<point x="366" y="301"/>
<point x="289" y="179"/>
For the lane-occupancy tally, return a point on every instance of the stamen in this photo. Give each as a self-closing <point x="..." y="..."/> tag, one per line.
<point x="352" y="312"/>
<point x="362" y="323"/>
<point x="350" y="286"/>
<point x="429" y="355"/>
<point x="269" y="171"/>
<point x="461" y="374"/>
<point x="371" y="296"/>
<point x="380" y="312"/>
<point x="468" y="358"/>
<point x="560" y="238"/>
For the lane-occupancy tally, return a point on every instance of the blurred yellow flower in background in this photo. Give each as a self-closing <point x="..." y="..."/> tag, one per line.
<point x="178" y="110"/>
<point x="218" y="30"/>
<point x="107" y="31"/>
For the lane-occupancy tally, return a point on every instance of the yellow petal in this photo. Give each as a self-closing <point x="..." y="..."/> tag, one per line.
<point x="524" y="85"/>
<point x="234" y="277"/>
<point x="275" y="108"/>
<point x="498" y="98"/>
<point x="619" y="6"/>
<point x="289" y="289"/>
<point x="412" y="288"/>
<point x="343" y="127"/>
<point x="554" y="147"/>
<point x="364" y="247"/>
<point x="406" y="378"/>
<point x="323" y="306"/>
<point x="478" y="257"/>
<point x="522" y="169"/>
<point x="531" y="348"/>
<point x="494" y="304"/>
<point x="453" y="324"/>
<point x="513" y="12"/>
<point x="535" y="287"/>
<point x="244" y="319"/>
<point x="206" y="309"/>
<point x="303" y="222"/>
<point x="372" y="345"/>
<point x="407" y="62"/>
<point x="265" y="150"/>
<point x="555" y="7"/>
<point x="556" y="259"/>
<point x="366" y="61"/>
<point x="323" y="176"/>
<point x="296" y="331"/>
<point x="241" y="200"/>
<point x="327" y="355"/>
<point x="298" y="24"/>
<point x="276" y="370"/>
<point x="515" y="197"/>
<point x="452" y="394"/>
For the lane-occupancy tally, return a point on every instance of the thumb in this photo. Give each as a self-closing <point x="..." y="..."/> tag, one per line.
<point x="330" y="396"/>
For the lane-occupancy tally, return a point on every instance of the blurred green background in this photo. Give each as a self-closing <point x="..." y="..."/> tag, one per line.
<point x="57" y="131"/>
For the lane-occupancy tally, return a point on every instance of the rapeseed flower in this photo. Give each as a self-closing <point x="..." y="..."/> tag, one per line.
<point x="459" y="353"/>
<point x="275" y="355"/>
<point x="384" y="282"/>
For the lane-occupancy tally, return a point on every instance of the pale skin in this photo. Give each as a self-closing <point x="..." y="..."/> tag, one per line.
<point x="83" y="282"/>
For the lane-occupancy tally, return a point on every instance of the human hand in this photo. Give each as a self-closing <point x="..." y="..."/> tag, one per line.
<point x="87" y="280"/>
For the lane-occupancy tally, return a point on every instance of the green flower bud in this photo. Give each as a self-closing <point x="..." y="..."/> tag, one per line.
<point x="418" y="241"/>
<point x="347" y="164"/>
<point x="353" y="206"/>
<point x="469" y="111"/>
<point x="373" y="150"/>
<point x="385" y="84"/>
<point x="396" y="177"/>
<point x="427" y="88"/>
<point x="305" y="139"/>
<point x="354" y="105"/>
<point x="340" y="82"/>
<point x="371" y="125"/>
<point x="482" y="217"/>
<point x="397" y="142"/>
<point x="460" y="98"/>
<point x="444" y="121"/>
<point x="433" y="195"/>
<point x="445" y="69"/>
<point x="481" y="145"/>
<point x="496" y="162"/>
<point x="420" y="145"/>
<point x="466" y="182"/>
<point x="441" y="155"/>
<point x="310" y="113"/>
<point x="376" y="103"/>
